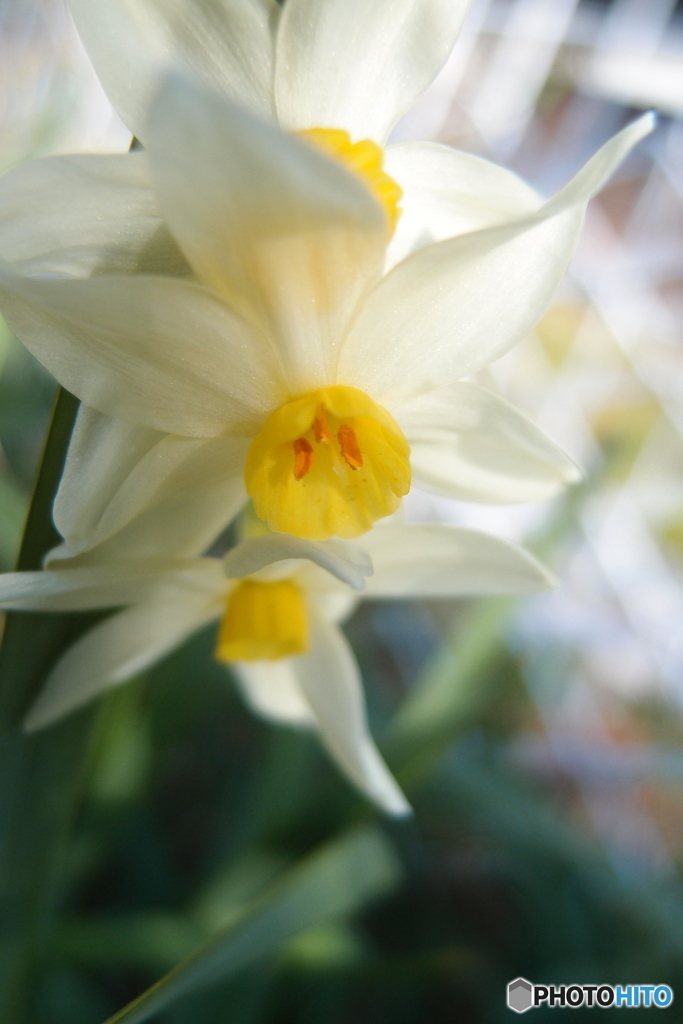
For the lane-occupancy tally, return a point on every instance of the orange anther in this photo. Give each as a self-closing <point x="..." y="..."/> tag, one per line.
<point x="350" y="450"/>
<point x="303" y="457"/>
<point x="320" y="427"/>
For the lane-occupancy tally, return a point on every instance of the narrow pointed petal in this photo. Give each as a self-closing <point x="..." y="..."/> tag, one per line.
<point x="346" y="562"/>
<point x="227" y="43"/>
<point x="159" y="352"/>
<point x="593" y="175"/>
<point x="359" y="65"/>
<point x="271" y="689"/>
<point x="436" y="560"/>
<point x="447" y="192"/>
<point x="187" y="526"/>
<point x="330" y="681"/>
<point x="75" y="216"/>
<point x="102" y="453"/>
<point x="468" y="443"/>
<point x="453" y="307"/>
<point x="89" y="587"/>
<point x="117" y="649"/>
<point x="284" y="233"/>
<point x="141" y="491"/>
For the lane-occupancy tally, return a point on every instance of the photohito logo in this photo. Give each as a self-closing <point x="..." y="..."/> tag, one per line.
<point x="523" y="996"/>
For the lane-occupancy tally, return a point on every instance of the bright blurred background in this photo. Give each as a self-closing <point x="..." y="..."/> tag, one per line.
<point x="541" y="741"/>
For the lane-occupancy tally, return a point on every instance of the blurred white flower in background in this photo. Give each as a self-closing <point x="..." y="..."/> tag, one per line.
<point x="51" y="100"/>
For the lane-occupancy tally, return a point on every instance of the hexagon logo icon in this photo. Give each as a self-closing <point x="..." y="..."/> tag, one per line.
<point x="520" y="995"/>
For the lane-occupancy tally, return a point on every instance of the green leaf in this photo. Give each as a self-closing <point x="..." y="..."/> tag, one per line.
<point x="459" y="680"/>
<point x="334" y="881"/>
<point x="450" y="690"/>
<point x="13" y="504"/>
<point x="152" y="939"/>
<point x="39" y="775"/>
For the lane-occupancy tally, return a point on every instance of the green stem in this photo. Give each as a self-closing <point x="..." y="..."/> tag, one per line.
<point x="39" y="775"/>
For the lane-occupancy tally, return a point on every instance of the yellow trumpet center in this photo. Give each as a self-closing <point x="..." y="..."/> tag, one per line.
<point x="263" y="622"/>
<point x="328" y="464"/>
<point x="364" y="158"/>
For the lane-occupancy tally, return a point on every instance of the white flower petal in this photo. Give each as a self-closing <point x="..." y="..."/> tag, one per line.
<point x="92" y="586"/>
<point x="447" y="192"/>
<point x="187" y="526"/>
<point x="271" y="689"/>
<point x="335" y="604"/>
<point x="469" y="443"/>
<point x="345" y="561"/>
<point x="359" y="64"/>
<point x="329" y="679"/>
<point x="169" y="493"/>
<point x="159" y="352"/>
<point x="81" y="215"/>
<point x="453" y="307"/>
<point x="180" y="517"/>
<point x="269" y="222"/>
<point x="102" y="452"/>
<point x="117" y="649"/>
<point x="602" y="164"/>
<point x="228" y="43"/>
<point x="436" y="560"/>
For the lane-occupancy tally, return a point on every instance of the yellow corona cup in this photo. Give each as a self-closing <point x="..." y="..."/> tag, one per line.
<point x="330" y="463"/>
<point x="263" y="622"/>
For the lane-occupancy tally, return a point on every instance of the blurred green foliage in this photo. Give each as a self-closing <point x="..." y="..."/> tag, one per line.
<point x="27" y="394"/>
<point x="197" y="818"/>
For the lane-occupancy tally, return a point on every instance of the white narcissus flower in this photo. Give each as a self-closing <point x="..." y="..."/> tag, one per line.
<point x="341" y="72"/>
<point x="340" y="64"/>
<point x="279" y="601"/>
<point x="346" y="66"/>
<point x="290" y="359"/>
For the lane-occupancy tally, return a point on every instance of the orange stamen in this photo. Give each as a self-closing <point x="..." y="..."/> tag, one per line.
<point x="350" y="449"/>
<point x="320" y="427"/>
<point x="303" y="458"/>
